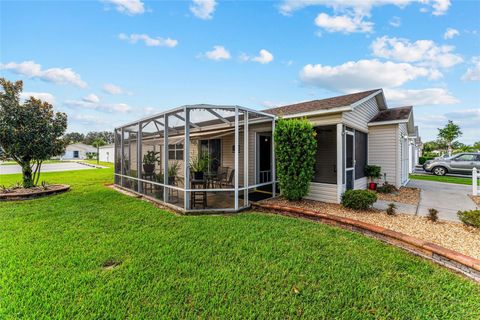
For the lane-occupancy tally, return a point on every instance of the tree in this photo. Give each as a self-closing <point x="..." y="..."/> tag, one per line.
<point x="30" y="132"/>
<point x="476" y="146"/>
<point x="295" y="149"/>
<point x="97" y="143"/>
<point x="449" y="133"/>
<point x="106" y="136"/>
<point x="74" y="137"/>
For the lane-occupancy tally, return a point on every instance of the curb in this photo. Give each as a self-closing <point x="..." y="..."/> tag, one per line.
<point x="453" y="260"/>
<point x="28" y="196"/>
<point x="91" y="165"/>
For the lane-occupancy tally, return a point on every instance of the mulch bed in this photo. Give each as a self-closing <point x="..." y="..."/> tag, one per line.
<point x="18" y="193"/>
<point x="476" y="199"/>
<point x="403" y="195"/>
<point x="451" y="235"/>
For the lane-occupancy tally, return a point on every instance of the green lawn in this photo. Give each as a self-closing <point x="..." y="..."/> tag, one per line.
<point x="250" y="265"/>
<point x="447" y="179"/>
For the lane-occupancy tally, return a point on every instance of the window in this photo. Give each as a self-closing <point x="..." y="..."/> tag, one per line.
<point x="466" y="157"/>
<point x="175" y="151"/>
<point x="361" y="154"/>
<point x="212" y="147"/>
<point x="75" y="154"/>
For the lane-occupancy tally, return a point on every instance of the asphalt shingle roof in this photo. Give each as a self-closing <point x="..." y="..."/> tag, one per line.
<point x="323" y="104"/>
<point x="393" y="114"/>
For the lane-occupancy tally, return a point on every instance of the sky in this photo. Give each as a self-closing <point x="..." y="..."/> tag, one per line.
<point x="106" y="63"/>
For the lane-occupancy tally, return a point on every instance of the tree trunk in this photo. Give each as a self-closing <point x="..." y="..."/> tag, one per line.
<point x="27" y="176"/>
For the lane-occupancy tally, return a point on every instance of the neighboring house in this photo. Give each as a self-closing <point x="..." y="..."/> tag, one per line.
<point x="107" y="153"/>
<point x="77" y="151"/>
<point x="352" y="131"/>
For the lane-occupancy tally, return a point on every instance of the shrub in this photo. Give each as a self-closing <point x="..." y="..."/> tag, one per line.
<point x="387" y="188"/>
<point x="422" y="160"/>
<point x="358" y="199"/>
<point x="470" y="218"/>
<point x="432" y="215"/>
<point x="391" y="209"/>
<point x="295" y="149"/>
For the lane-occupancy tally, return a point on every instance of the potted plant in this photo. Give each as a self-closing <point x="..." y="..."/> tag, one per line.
<point x="199" y="165"/>
<point x="173" y="172"/>
<point x="149" y="160"/>
<point x="373" y="172"/>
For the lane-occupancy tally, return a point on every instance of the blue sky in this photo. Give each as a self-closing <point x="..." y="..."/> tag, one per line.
<point x="109" y="62"/>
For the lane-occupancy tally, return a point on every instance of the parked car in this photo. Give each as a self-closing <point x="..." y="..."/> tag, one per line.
<point x="461" y="163"/>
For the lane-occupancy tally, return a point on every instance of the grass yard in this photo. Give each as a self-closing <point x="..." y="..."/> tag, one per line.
<point x="448" y="179"/>
<point x="56" y="255"/>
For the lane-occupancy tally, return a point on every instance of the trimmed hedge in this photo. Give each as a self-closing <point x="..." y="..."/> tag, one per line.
<point x="359" y="199"/>
<point x="470" y="218"/>
<point x="295" y="149"/>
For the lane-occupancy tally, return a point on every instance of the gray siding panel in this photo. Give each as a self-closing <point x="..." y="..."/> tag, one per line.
<point x="383" y="145"/>
<point x="359" y="117"/>
<point x="323" y="192"/>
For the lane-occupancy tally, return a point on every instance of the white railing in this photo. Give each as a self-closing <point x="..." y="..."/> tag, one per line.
<point x="475" y="176"/>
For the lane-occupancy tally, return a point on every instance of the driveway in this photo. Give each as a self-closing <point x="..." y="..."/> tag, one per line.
<point x="47" y="167"/>
<point x="447" y="198"/>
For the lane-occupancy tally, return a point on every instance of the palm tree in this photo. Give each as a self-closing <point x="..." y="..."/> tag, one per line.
<point x="97" y="143"/>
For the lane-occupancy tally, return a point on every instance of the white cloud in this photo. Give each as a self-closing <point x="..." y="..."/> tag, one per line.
<point x="264" y="57"/>
<point x="104" y="107"/>
<point x="361" y="7"/>
<point x="112" y="89"/>
<point x="44" y="96"/>
<point x="344" y="24"/>
<point x="470" y="114"/>
<point x="149" y="41"/>
<point x="440" y="7"/>
<point x="203" y="9"/>
<point x="473" y="73"/>
<point x="419" y="97"/>
<point x="34" y="70"/>
<point x="131" y="7"/>
<point x="395" y="22"/>
<point x="363" y="74"/>
<point x="218" y="53"/>
<point x="91" y="98"/>
<point x="425" y="52"/>
<point x="87" y="119"/>
<point x="450" y="33"/>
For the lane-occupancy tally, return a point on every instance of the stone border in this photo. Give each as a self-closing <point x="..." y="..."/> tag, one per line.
<point x="453" y="260"/>
<point x="30" y="195"/>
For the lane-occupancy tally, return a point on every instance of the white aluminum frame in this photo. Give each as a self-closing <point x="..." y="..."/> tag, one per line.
<point x="186" y="189"/>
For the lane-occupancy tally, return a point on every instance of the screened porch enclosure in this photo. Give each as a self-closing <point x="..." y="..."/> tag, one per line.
<point x="198" y="158"/>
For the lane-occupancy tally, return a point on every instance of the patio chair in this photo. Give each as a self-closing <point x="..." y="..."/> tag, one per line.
<point x="229" y="182"/>
<point x="221" y="176"/>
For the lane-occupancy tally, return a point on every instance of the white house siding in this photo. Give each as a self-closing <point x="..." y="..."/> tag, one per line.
<point x="322" y="192"/>
<point x="361" y="115"/>
<point x="107" y="153"/>
<point x="360" y="183"/>
<point x="82" y="151"/>
<point x="383" y="151"/>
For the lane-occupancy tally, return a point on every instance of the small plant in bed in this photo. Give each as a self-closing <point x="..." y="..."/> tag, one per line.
<point x="432" y="215"/>
<point x="470" y="218"/>
<point x="358" y="199"/>
<point x="391" y="210"/>
<point x="387" y="188"/>
<point x="373" y="172"/>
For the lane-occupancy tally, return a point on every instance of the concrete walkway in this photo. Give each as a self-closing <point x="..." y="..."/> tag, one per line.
<point x="47" y="167"/>
<point x="447" y="198"/>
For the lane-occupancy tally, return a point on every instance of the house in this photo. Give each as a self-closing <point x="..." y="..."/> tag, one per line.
<point x="352" y="131"/>
<point x="107" y="153"/>
<point x="77" y="151"/>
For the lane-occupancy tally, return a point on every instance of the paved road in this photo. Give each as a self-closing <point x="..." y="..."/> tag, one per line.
<point x="447" y="198"/>
<point x="47" y="167"/>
